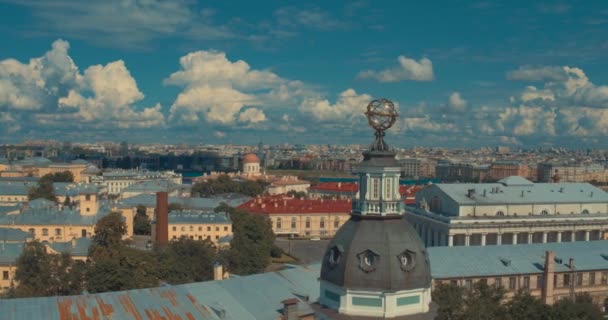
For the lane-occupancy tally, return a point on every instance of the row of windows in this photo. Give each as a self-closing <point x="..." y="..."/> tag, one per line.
<point x="45" y="232"/>
<point x="183" y="228"/>
<point x="543" y="212"/>
<point x="198" y="237"/>
<point x="525" y="282"/>
<point x="15" y="199"/>
<point x="307" y="223"/>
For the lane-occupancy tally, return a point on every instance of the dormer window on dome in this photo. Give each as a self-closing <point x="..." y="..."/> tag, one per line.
<point x="334" y="255"/>
<point x="407" y="260"/>
<point x="368" y="260"/>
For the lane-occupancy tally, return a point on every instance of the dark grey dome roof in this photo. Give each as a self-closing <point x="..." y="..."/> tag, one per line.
<point x="382" y="254"/>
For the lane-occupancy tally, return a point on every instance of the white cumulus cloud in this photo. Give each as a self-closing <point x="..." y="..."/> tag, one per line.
<point x="456" y="102"/>
<point x="349" y="104"/>
<point x="408" y="69"/>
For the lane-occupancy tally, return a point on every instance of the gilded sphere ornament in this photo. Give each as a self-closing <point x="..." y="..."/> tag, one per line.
<point x="381" y="114"/>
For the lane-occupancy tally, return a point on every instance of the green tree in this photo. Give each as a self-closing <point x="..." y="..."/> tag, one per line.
<point x="120" y="267"/>
<point x="175" y="207"/>
<point x="65" y="176"/>
<point x="109" y="230"/>
<point x="42" y="274"/>
<point x="44" y="190"/>
<point x="186" y="260"/>
<point x="582" y="308"/>
<point x="523" y="306"/>
<point x="141" y="222"/>
<point x="251" y="244"/>
<point x="450" y="301"/>
<point x="483" y="302"/>
<point x="114" y="265"/>
<point x="223" y="184"/>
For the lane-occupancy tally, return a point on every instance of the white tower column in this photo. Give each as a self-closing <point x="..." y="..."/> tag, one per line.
<point x="483" y="239"/>
<point x="544" y="237"/>
<point x="559" y="236"/>
<point x="514" y="237"/>
<point x="499" y="239"/>
<point x="587" y="235"/>
<point x="450" y="240"/>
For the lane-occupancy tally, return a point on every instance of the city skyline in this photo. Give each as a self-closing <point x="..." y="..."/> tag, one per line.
<point x="467" y="74"/>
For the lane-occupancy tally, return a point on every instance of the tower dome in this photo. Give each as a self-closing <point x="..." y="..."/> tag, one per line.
<point x="377" y="265"/>
<point x="251" y="158"/>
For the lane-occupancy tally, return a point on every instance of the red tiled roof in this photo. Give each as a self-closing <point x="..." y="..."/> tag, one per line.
<point x="279" y="204"/>
<point x="336" y="186"/>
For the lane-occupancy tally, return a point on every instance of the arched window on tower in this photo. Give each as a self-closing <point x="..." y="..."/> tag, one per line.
<point x="436" y="204"/>
<point x="293" y="222"/>
<point x="500" y="213"/>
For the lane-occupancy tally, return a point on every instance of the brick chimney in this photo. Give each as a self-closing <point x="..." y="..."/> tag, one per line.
<point x="162" y="218"/>
<point x="548" y="278"/>
<point x="290" y="309"/>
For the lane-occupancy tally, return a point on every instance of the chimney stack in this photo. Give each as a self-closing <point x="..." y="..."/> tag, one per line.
<point x="218" y="271"/>
<point x="290" y="309"/>
<point x="548" y="278"/>
<point x="162" y="218"/>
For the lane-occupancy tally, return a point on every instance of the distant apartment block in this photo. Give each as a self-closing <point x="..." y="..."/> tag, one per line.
<point x="547" y="172"/>
<point x="117" y="180"/>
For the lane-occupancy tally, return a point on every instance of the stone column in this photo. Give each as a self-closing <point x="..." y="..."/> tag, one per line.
<point x="559" y="236"/>
<point x="483" y="239"/>
<point x="467" y="240"/>
<point x="544" y="237"/>
<point x="530" y="238"/>
<point x="450" y="240"/>
<point x="573" y="236"/>
<point x="499" y="239"/>
<point x="514" y="238"/>
<point x="586" y="235"/>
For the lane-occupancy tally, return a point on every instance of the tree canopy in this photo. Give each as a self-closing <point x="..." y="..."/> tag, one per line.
<point x="487" y="302"/>
<point x="223" y="184"/>
<point x="141" y="222"/>
<point x="186" y="260"/>
<point x="45" y="188"/>
<point x="252" y="242"/>
<point x="42" y="274"/>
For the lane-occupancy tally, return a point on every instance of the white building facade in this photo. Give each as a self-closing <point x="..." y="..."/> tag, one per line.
<point x="512" y="211"/>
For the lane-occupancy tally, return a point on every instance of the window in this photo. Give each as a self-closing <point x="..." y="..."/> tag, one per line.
<point x="604" y="277"/>
<point x="200" y="228"/>
<point x="293" y="222"/>
<point x="375" y="187"/>
<point x="4" y="275"/>
<point x="500" y="213"/>
<point x="87" y="197"/>
<point x="225" y="228"/>
<point x="57" y="232"/>
<point x="88" y="209"/>
<point x="322" y="223"/>
<point x="200" y="237"/>
<point x="468" y="284"/>
<point x="174" y="228"/>
<point x="183" y="229"/>
<point x="566" y="280"/>
<point x="217" y="228"/>
<point x="208" y="228"/>
<point x="174" y="238"/>
<point x="585" y="211"/>
<point x="32" y="231"/>
<point x="217" y="237"/>
<point x="336" y="222"/>
<point x="526" y="282"/>
<point x="45" y="232"/>
<point x="387" y="192"/>
<point x="279" y="223"/>
<point x="191" y="228"/>
<point x="454" y="282"/>
<point x="544" y="212"/>
<point x="539" y="282"/>
<point x="512" y="283"/>
<point x="307" y="222"/>
<point x="579" y="279"/>
<point x="498" y="282"/>
<point x="484" y="281"/>
<point x="591" y="278"/>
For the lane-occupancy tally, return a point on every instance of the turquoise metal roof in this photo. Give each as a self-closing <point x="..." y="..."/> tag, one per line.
<point x="195" y="203"/>
<point x="456" y="262"/>
<point x="152" y="186"/>
<point x="78" y="247"/>
<point x="238" y="298"/>
<point x="13" y="235"/>
<point x="52" y="216"/>
<point x="196" y="217"/>
<point x="16" y="188"/>
<point x="9" y="252"/>
<point x="512" y="194"/>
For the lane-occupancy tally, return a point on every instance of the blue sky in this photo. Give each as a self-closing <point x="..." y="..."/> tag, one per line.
<point x="463" y="73"/>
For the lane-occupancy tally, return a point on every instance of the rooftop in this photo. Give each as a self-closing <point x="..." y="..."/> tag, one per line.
<point x="207" y="203"/>
<point x="284" y="204"/>
<point x="198" y="217"/>
<point x="519" y="191"/>
<point x="449" y="262"/>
